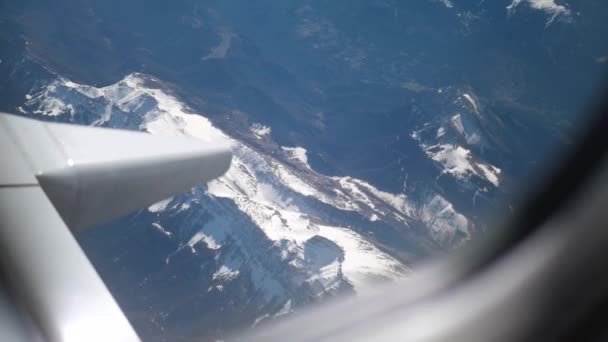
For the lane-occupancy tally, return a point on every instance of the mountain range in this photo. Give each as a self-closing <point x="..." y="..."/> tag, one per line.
<point x="367" y="135"/>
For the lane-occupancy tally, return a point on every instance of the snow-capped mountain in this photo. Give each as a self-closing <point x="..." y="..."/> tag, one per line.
<point x="457" y="140"/>
<point x="272" y="222"/>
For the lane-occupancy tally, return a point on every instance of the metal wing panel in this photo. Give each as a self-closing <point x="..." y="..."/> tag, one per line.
<point x="94" y="174"/>
<point x="47" y="268"/>
<point x="13" y="170"/>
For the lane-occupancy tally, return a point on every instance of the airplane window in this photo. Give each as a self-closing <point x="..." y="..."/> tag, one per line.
<point x="367" y="136"/>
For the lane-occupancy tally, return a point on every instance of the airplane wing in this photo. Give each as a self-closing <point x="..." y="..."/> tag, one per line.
<point x="55" y="176"/>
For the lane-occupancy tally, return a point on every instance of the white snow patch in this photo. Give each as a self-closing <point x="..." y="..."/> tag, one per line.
<point x="457" y="123"/>
<point x="201" y="236"/>
<point x="447" y="3"/>
<point x="327" y="276"/>
<point x="398" y="202"/>
<point x="457" y="161"/>
<point x="225" y="273"/>
<point x="491" y="173"/>
<point x="454" y="158"/>
<point x="350" y="185"/>
<point x="298" y="153"/>
<point x="364" y="264"/>
<point x="286" y="309"/>
<point x="472" y="101"/>
<point x="54" y="107"/>
<point x="184" y="206"/>
<point x="447" y="226"/>
<point x="294" y="182"/>
<point x="160" y="228"/>
<point x="440" y="132"/>
<point x="48" y="102"/>
<point x="172" y="118"/>
<point x="88" y="91"/>
<point x="471" y="137"/>
<point x="548" y="6"/>
<point x="260" y="130"/>
<point x="260" y="319"/>
<point x="160" y="206"/>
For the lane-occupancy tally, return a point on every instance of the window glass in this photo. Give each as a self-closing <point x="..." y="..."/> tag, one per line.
<point x="367" y="135"/>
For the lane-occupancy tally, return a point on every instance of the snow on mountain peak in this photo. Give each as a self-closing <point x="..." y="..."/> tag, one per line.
<point x="458" y="161"/>
<point x="455" y="141"/>
<point x="260" y="130"/>
<point x="548" y="6"/>
<point x="297" y="153"/>
<point x="307" y="217"/>
<point x="472" y="101"/>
